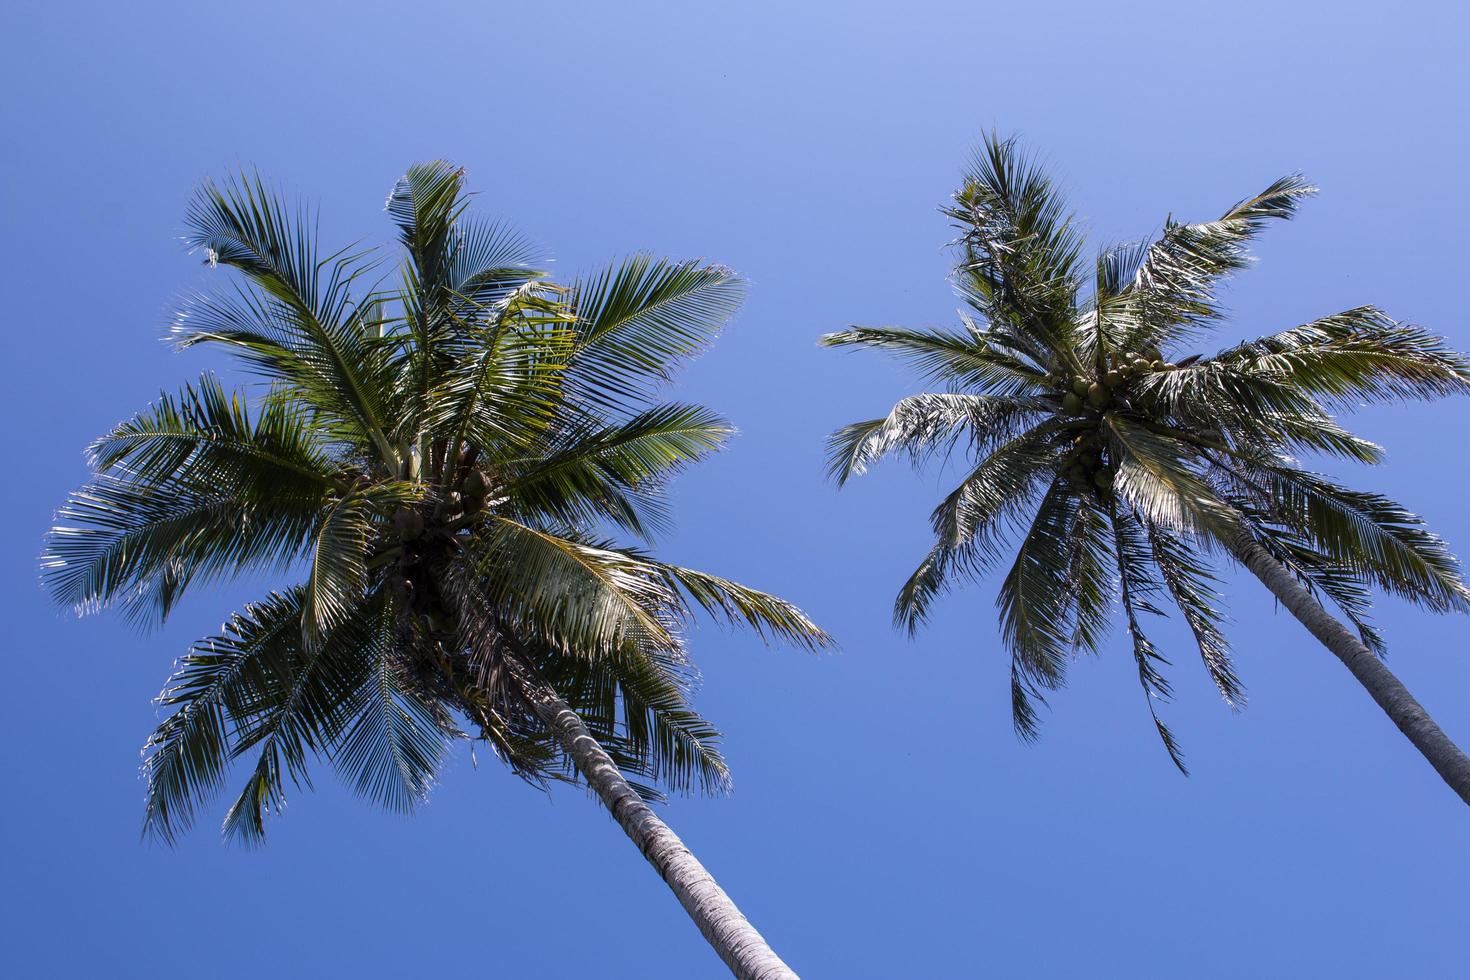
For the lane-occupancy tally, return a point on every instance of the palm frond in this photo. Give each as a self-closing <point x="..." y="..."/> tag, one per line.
<point x="771" y="618"/>
<point x="927" y="425"/>
<point x="962" y="360"/>
<point x="1138" y="587"/>
<point x="616" y="472"/>
<point x="302" y="326"/>
<point x="117" y="541"/>
<point x="637" y="319"/>
<point x="186" y="758"/>
<point x="1019" y="247"/>
<point x="583" y="598"/>
<point x="1036" y="603"/>
<point x="1360" y="354"/>
<point x="1175" y="286"/>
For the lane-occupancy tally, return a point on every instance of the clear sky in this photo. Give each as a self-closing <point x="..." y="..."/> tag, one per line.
<point x="885" y="821"/>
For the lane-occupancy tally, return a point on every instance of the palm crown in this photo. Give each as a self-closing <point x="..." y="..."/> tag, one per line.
<point x="439" y="456"/>
<point x="1124" y="463"/>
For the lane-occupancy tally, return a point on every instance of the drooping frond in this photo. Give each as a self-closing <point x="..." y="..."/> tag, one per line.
<point x="1158" y="477"/>
<point x="1365" y="533"/>
<point x="187" y="756"/>
<point x="1036" y="604"/>
<point x="1191" y="584"/>
<point x="340" y="550"/>
<point x="396" y="738"/>
<point x="969" y="522"/>
<point x="1138" y="588"/>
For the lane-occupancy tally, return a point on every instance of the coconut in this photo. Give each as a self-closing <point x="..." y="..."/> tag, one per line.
<point x="1156" y="365"/>
<point x="1103" y="479"/>
<point x="1080" y="385"/>
<point x="1097" y="395"/>
<point x="475" y="484"/>
<point x="449" y="506"/>
<point x="1114" y="378"/>
<point x="1071" y="403"/>
<point x="409" y="523"/>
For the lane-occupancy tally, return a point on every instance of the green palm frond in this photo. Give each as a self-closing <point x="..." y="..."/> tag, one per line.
<point x="340" y="550"/>
<point x="1368" y="534"/>
<point x="392" y="748"/>
<point x="596" y="472"/>
<point x="118" y="541"/>
<point x="205" y="435"/>
<point x="1138" y="590"/>
<point x="638" y="704"/>
<point x="771" y="618"/>
<point x="1192" y="585"/>
<point x="1358" y="355"/>
<point x="969" y="522"/>
<point x="1174" y="290"/>
<point x="963" y="360"/>
<point x="1036" y="604"/>
<point x="637" y="319"/>
<point x="581" y="597"/>
<point x="298" y="321"/>
<point x="927" y="425"/>
<point x="188" y="755"/>
<point x="1020" y="250"/>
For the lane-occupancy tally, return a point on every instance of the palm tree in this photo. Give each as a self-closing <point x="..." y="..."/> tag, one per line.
<point x="1125" y="467"/>
<point x="436" y="457"/>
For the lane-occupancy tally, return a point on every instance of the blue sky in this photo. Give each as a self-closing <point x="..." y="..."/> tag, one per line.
<point x="885" y="820"/>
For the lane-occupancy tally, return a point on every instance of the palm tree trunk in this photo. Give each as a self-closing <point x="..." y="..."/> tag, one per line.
<point x="742" y="948"/>
<point x="1395" y="700"/>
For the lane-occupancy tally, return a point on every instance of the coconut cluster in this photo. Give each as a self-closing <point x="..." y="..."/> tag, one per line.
<point x="423" y="543"/>
<point x="1090" y="397"/>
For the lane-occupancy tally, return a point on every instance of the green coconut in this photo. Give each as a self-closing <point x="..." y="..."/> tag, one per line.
<point x="1097" y="395"/>
<point x="1113" y="378"/>
<point x="1071" y="402"/>
<point x="1079" y="385"/>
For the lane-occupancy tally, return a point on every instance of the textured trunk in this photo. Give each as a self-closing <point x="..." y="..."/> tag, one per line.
<point x="742" y="948"/>
<point x="1395" y="700"/>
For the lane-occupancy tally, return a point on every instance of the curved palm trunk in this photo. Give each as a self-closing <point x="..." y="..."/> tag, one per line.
<point x="742" y="948"/>
<point x="1395" y="700"/>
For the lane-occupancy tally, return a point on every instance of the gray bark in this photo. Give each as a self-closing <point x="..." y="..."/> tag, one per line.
<point x="1386" y="689"/>
<point x="742" y="948"/>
